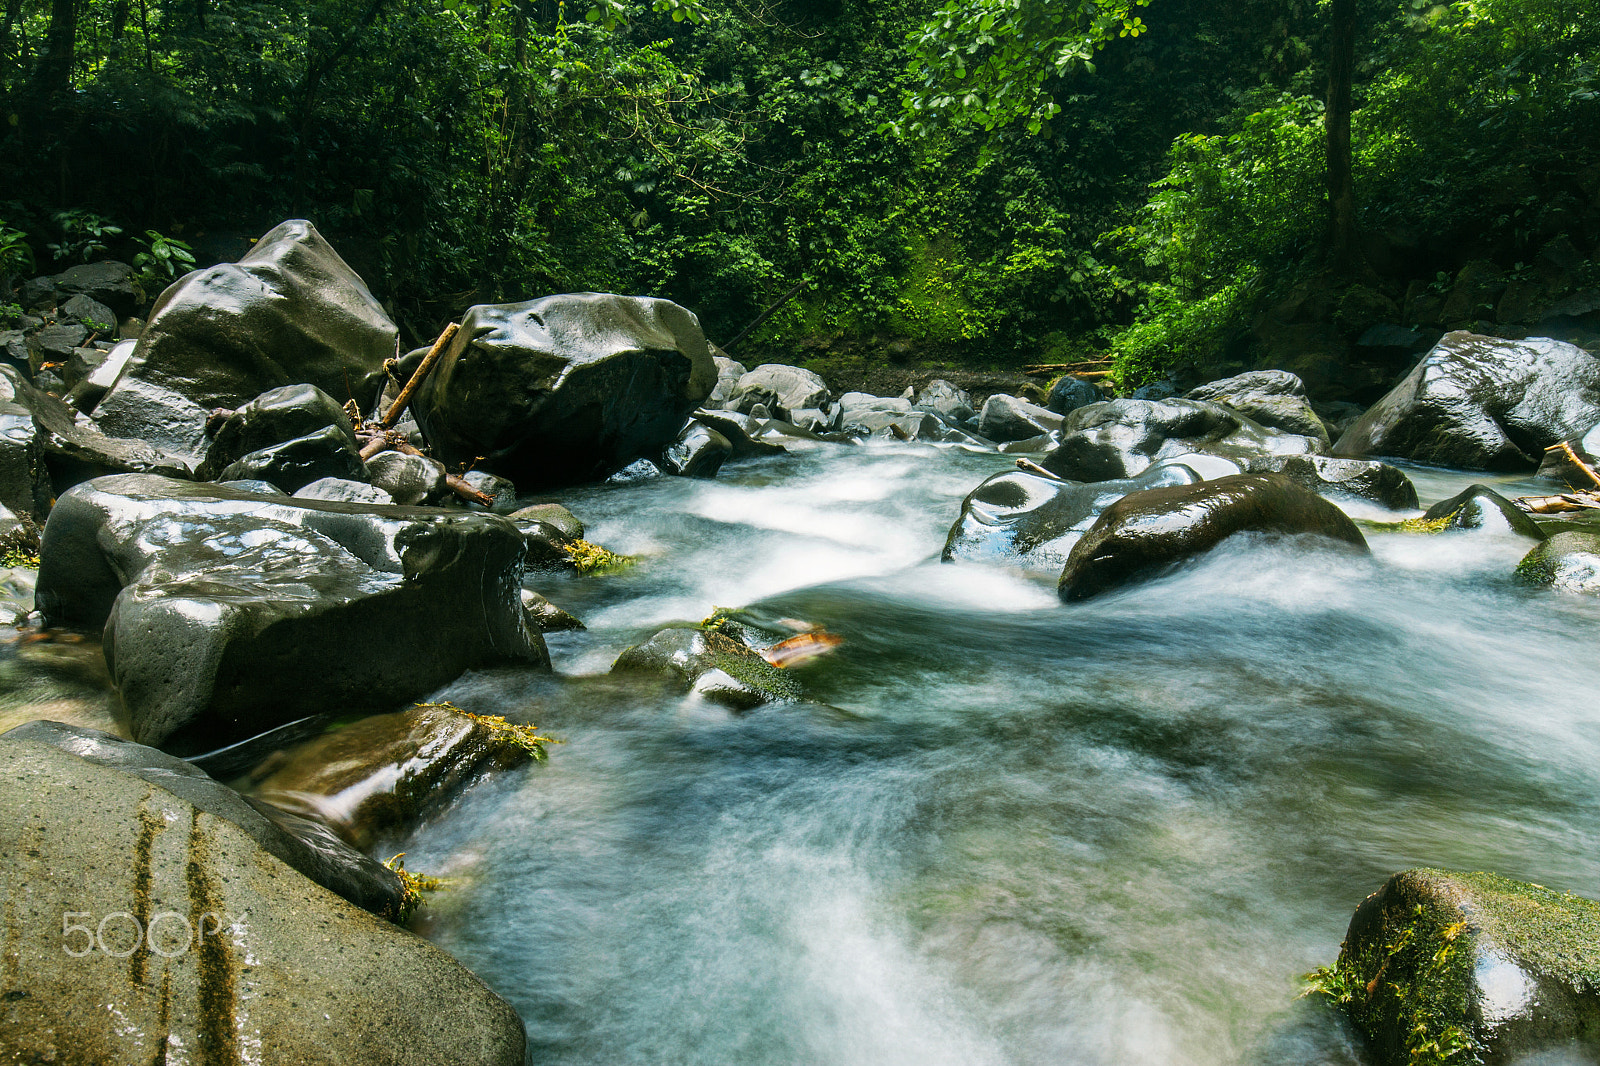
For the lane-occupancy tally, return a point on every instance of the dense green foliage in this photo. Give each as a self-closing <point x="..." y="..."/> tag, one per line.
<point x="1146" y="197"/>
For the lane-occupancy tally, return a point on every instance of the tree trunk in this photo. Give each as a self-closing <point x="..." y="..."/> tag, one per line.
<point x="54" y="74"/>
<point x="1342" y="251"/>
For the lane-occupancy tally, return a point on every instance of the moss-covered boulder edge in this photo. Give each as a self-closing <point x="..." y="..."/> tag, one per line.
<point x="1442" y="966"/>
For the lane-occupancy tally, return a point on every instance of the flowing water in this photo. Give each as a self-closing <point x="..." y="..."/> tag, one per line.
<point x="1007" y="830"/>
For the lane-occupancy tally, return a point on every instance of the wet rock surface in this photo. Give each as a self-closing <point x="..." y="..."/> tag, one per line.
<point x="783" y="390"/>
<point x="294" y="464"/>
<point x="1146" y="531"/>
<point x="1496" y="968"/>
<point x="1343" y="479"/>
<point x="566" y="388"/>
<point x="1567" y="562"/>
<point x="276" y="416"/>
<point x="1070" y="393"/>
<point x="1478" y="507"/>
<point x="1273" y="398"/>
<point x="720" y="667"/>
<point x="699" y="451"/>
<point x="307" y="847"/>
<point x="290" y="312"/>
<point x="1006" y="418"/>
<point x="246" y="954"/>
<point x="226" y="613"/>
<point x="1123" y="438"/>
<point x="1482" y="403"/>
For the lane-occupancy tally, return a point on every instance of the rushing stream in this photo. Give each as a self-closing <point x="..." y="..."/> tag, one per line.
<point x="1007" y="830"/>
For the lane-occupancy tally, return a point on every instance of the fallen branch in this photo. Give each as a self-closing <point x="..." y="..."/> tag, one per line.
<point x="1563" y="503"/>
<point x="402" y="401"/>
<point x="1028" y="466"/>
<point x="1579" y="463"/>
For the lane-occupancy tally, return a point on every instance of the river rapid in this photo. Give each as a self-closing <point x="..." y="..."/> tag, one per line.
<point x="1006" y="831"/>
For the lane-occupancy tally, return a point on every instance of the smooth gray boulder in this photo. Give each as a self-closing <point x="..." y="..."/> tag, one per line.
<point x="1024" y="519"/>
<point x="699" y="451"/>
<point x="566" y="388"/>
<point x="409" y="479"/>
<point x="274" y="417"/>
<point x="554" y="515"/>
<point x="1475" y="965"/>
<point x="236" y="958"/>
<point x="728" y="374"/>
<point x="310" y="849"/>
<point x="1482" y="403"/>
<point x="336" y="489"/>
<point x="1006" y="418"/>
<point x="226" y="613"/>
<point x="500" y="490"/>
<point x="1123" y="438"/>
<point x="1566" y="562"/>
<point x="1145" y="532"/>
<point x="289" y="312"/>
<point x="1343" y="479"/>
<point x="296" y="463"/>
<point x="1070" y="393"/>
<point x="1272" y="398"/>
<point x="782" y="389"/>
<point x="945" y="399"/>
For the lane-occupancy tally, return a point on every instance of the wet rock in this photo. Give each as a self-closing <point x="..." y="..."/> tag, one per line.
<point x="109" y="283"/>
<point x="274" y="417"/>
<point x="554" y="515"/>
<point x="1343" y="479"/>
<point x="946" y="400"/>
<point x="699" y="451"/>
<point x="1482" y="403"/>
<point x="685" y="656"/>
<point x="782" y="389"/>
<point x="90" y="313"/>
<point x="289" y="312"/>
<point x="37" y="294"/>
<point x="87" y="393"/>
<point x="14" y="348"/>
<point x="381" y="775"/>
<point x="566" y="388"/>
<point x="410" y="479"/>
<point x="638" y="470"/>
<point x="54" y="344"/>
<point x="1123" y="438"/>
<point x="248" y="954"/>
<point x="498" y="489"/>
<point x="888" y="425"/>
<point x="1146" y="531"/>
<point x="852" y="405"/>
<point x="740" y="432"/>
<point x="296" y="463"/>
<point x="1006" y="418"/>
<point x="17" y="584"/>
<point x="1480" y="507"/>
<point x="267" y="488"/>
<point x="1338" y="415"/>
<point x="547" y="546"/>
<point x="1566" y="562"/>
<point x="545" y="616"/>
<point x="81" y="365"/>
<point x="1272" y="398"/>
<point x="226" y="613"/>
<point x="1021" y="518"/>
<point x="728" y="374"/>
<point x="24" y="480"/>
<point x="334" y="489"/>
<point x="329" y="862"/>
<point x="1164" y="389"/>
<point x="1070" y="393"/>
<point x="1558" y="466"/>
<point x="815" y="419"/>
<point x="1496" y="968"/>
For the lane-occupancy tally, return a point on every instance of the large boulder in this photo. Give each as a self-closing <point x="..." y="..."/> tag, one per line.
<point x="1273" y="398"/>
<point x="783" y="390"/>
<point x="1146" y="531"/>
<point x="943" y="398"/>
<point x="1070" y="393"/>
<point x="226" y="613"/>
<point x="1482" y="403"/>
<point x="289" y="312"/>
<point x="1123" y="438"/>
<point x="1438" y="964"/>
<point x="699" y="451"/>
<point x="382" y="774"/>
<point x="1343" y="479"/>
<point x="306" y="846"/>
<point x="566" y="388"/>
<point x="1020" y="518"/>
<point x="296" y="463"/>
<point x="276" y="416"/>
<point x="729" y="372"/>
<point x="1566" y="562"/>
<point x="1006" y="418"/>
<point x="143" y="928"/>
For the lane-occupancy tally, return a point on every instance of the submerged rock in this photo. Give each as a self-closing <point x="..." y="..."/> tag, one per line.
<point x="1146" y="531"/>
<point x="1438" y="964"/>
<point x="1482" y="403"/>
<point x="1020" y="517"/>
<point x="1566" y="562"/>
<point x="310" y="849"/>
<point x="381" y="775"/>
<point x="1123" y="438"/>
<point x="1479" y="507"/>
<point x="687" y="656"/>
<point x="1343" y="479"/>
<point x="1273" y="398"/>
<point x="226" y="613"/>
<point x="289" y="312"/>
<point x="566" y="388"/>
<point x="235" y="953"/>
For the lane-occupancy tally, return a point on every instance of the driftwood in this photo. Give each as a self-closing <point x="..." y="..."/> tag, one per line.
<point x="402" y="401"/>
<point x="1566" y="502"/>
<point x="1028" y="466"/>
<point x="1092" y="368"/>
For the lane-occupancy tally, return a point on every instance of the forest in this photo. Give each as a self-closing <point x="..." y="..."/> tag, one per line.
<point x="1142" y="188"/>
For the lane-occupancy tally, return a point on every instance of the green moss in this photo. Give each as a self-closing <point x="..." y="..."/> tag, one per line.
<point x="413" y="886"/>
<point x="1535" y="569"/>
<point x="756" y="672"/>
<point x="525" y="738"/>
<point x="1426" y="525"/>
<point x="590" y="558"/>
<point x="1554" y="934"/>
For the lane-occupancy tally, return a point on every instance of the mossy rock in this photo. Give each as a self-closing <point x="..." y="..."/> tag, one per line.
<point x="1477" y="507"/>
<point x="688" y="656"/>
<point x="1569" y="562"/>
<point x="1440" y="966"/>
